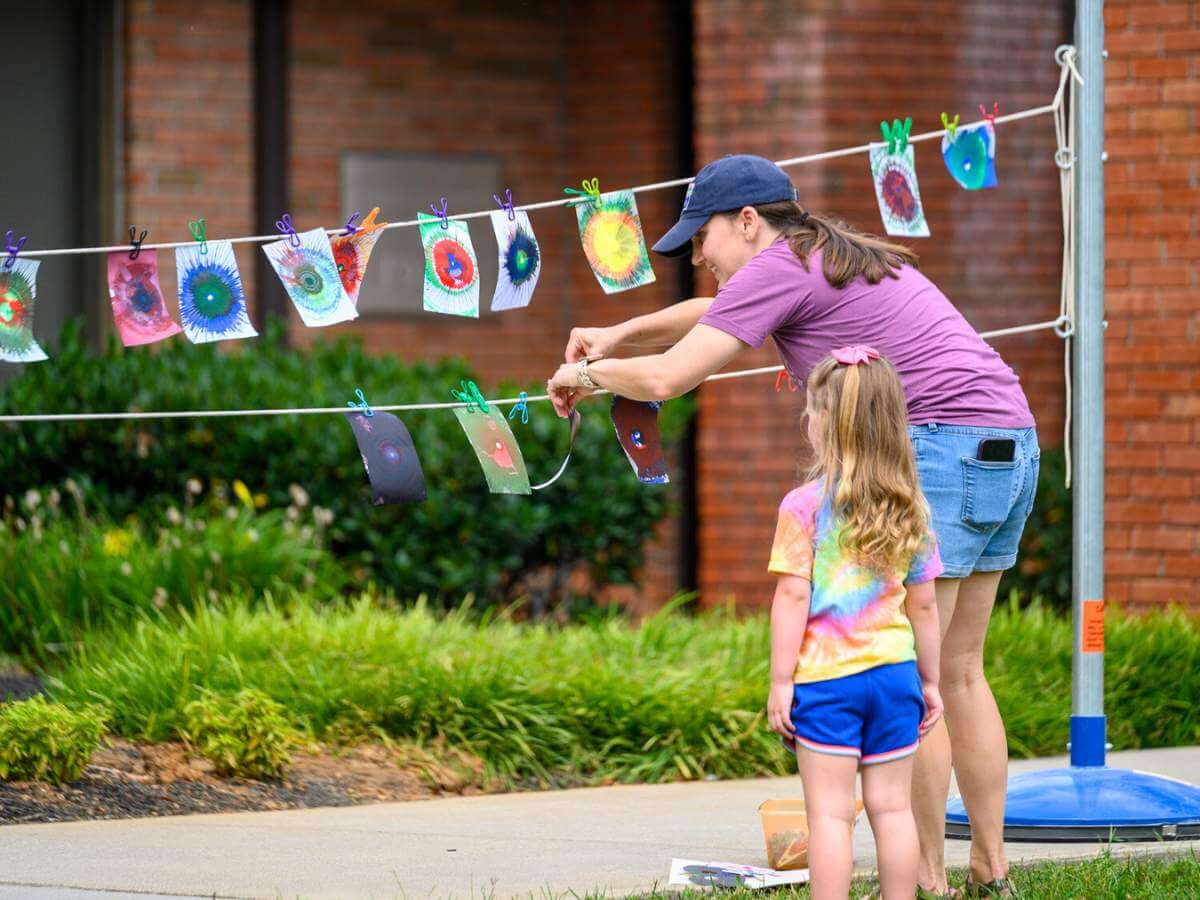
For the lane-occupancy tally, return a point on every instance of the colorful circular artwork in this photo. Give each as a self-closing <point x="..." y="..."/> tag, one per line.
<point x="612" y="244"/>
<point x="345" y="255"/>
<point x="521" y="258"/>
<point x="143" y="309"/>
<point x="970" y="158"/>
<point x="452" y="265"/>
<point x="216" y="298"/>
<point x="898" y="194"/>
<point x="16" y="301"/>
<point x="312" y="280"/>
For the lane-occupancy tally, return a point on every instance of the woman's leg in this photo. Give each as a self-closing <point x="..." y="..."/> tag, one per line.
<point x="829" y="804"/>
<point x="887" y="793"/>
<point x="977" y="738"/>
<point x="931" y="772"/>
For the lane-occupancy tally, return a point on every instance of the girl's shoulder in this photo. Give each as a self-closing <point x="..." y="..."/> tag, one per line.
<point x="804" y="501"/>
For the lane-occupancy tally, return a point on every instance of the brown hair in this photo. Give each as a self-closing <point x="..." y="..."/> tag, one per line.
<point x="845" y="252"/>
<point x="867" y="461"/>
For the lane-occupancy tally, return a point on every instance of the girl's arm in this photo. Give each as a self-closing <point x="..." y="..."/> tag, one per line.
<point x="921" y="607"/>
<point x="656" y="330"/>
<point x="789" y="616"/>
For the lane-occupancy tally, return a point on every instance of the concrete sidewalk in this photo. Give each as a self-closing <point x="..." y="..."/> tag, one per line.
<point x="616" y="840"/>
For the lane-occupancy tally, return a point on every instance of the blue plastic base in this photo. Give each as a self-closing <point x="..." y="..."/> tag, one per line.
<point x="1092" y="803"/>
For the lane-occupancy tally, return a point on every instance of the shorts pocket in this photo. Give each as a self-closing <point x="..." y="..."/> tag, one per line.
<point x="987" y="492"/>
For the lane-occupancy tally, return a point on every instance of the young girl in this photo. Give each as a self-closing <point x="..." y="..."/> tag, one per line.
<point x="854" y="554"/>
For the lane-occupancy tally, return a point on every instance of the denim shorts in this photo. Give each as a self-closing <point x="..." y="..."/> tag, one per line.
<point x="979" y="508"/>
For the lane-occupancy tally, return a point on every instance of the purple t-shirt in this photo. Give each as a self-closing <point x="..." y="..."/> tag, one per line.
<point x="951" y="376"/>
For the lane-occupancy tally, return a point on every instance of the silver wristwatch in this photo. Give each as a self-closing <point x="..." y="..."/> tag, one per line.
<point x="584" y="378"/>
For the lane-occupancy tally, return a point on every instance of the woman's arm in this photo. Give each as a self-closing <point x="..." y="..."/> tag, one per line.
<point x="921" y="607"/>
<point x="789" y="617"/>
<point x="702" y="352"/>
<point x="662" y="328"/>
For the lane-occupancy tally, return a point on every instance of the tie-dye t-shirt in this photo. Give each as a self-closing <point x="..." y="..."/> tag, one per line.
<point x="856" y="618"/>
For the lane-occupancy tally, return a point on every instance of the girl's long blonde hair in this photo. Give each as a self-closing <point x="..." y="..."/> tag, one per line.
<point x="866" y="459"/>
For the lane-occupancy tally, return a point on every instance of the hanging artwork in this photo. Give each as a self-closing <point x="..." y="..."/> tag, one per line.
<point x="637" y="430"/>
<point x="351" y="252"/>
<point x="389" y="456"/>
<point x="18" y="296"/>
<point x="970" y="155"/>
<point x="139" y="310"/>
<point x="894" y="170"/>
<point x="451" y="271"/>
<point x="520" y="260"/>
<point x="304" y="263"/>
<point x="611" y="234"/>
<point x="497" y="450"/>
<point x="212" y="303"/>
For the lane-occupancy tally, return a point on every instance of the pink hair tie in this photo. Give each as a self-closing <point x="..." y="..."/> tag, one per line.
<point x="859" y="354"/>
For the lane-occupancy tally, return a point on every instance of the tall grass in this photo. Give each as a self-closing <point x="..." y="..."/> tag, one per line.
<point x="677" y="697"/>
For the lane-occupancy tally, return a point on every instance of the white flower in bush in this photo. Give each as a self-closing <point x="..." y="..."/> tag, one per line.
<point x="299" y="495"/>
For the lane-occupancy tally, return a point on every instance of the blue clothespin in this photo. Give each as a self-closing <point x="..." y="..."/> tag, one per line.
<point x="361" y="405"/>
<point x="352" y="223"/>
<point x="522" y="407"/>
<point x="284" y="226"/>
<point x="441" y="213"/>
<point x="12" y="249"/>
<point x="506" y="204"/>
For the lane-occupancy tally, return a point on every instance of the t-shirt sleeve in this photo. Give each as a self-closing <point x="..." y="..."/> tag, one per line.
<point x="792" y="552"/>
<point x="768" y="292"/>
<point x="926" y="563"/>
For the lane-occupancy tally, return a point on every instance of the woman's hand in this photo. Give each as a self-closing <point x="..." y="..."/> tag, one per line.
<point x="933" y="707"/>
<point x="591" y="342"/>
<point x="564" y="388"/>
<point x="779" y="709"/>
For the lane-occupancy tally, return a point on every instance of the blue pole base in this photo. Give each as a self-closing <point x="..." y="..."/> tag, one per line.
<point x="1091" y="803"/>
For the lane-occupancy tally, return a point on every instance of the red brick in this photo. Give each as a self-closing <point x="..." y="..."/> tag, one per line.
<point x="1161" y="120"/>
<point x="1187" y="513"/>
<point x="1131" y="564"/>
<point x="1162" y="590"/>
<point x="1180" y="565"/>
<point x="1159" y="68"/>
<point x="1155" y="14"/>
<point x="1147" y="486"/>
<point x="1161" y="537"/>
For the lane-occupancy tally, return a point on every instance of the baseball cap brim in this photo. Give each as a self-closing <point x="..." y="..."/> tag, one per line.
<point x="678" y="240"/>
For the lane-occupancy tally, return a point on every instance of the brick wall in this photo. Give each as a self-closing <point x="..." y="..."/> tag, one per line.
<point x="784" y="81"/>
<point x="1152" y="357"/>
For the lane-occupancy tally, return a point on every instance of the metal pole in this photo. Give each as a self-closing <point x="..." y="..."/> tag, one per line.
<point x="1087" y="687"/>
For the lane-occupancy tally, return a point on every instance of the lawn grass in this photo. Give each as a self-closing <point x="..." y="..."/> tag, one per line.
<point x="678" y="697"/>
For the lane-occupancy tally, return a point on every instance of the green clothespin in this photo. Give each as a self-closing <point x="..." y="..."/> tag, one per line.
<point x="471" y="396"/>
<point x="951" y="126"/>
<point x="591" y="190"/>
<point x="896" y="136"/>
<point x="196" y="227"/>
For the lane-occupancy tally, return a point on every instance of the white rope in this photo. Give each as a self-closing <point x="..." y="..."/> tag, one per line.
<point x="1064" y="157"/>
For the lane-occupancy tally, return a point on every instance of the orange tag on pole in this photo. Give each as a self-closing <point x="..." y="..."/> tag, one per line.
<point x="1092" y="627"/>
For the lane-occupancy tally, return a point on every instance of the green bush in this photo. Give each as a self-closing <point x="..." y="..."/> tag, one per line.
<point x="462" y="540"/>
<point x="1044" y="561"/>
<point x="678" y="697"/>
<point x="68" y="569"/>
<point x="47" y="741"/>
<point x="246" y="734"/>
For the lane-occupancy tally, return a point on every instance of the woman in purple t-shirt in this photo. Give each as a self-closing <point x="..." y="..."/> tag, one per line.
<point x="812" y="284"/>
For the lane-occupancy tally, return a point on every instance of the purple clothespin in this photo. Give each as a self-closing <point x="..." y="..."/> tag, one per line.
<point x="441" y="213"/>
<point x="352" y="223"/>
<point x="136" y="242"/>
<point x="12" y="249"/>
<point x="506" y="204"/>
<point x="284" y="226"/>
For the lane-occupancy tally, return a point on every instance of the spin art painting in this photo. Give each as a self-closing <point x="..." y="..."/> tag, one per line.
<point x="352" y="251"/>
<point x="389" y="456"/>
<point x="497" y="450"/>
<point x="636" y="424"/>
<point x="18" y="295"/>
<point x="520" y="260"/>
<point x="212" y="303"/>
<point x="310" y="277"/>
<point x="896" y="190"/>
<point x="970" y="156"/>
<point x="138" y="307"/>
<point x="451" y="270"/>
<point x="611" y="234"/>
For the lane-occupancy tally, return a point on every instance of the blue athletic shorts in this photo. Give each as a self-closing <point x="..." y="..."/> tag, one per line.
<point x="979" y="508"/>
<point x="874" y="715"/>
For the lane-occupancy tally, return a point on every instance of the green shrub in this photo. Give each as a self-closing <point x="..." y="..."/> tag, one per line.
<point x="462" y="540"/>
<point x="1044" y="560"/>
<point x="47" y="741"/>
<point x="70" y="570"/>
<point x="678" y="697"/>
<point x="246" y="734"/>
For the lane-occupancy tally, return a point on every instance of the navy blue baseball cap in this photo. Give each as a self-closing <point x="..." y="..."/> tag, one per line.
<point x="723" y="186"/>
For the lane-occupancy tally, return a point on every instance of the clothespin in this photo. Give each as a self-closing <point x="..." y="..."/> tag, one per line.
<point x="12" y="249"/>
<point x="990" y="118"/>
<point x="506" y="204"/>
<point x="522" y="407"/>
<point x="897" y="135"/>
<point x="284" y="226"/>
<point x="361" y="405"/>
<point x="779" y="382"/>
<point x="351" y="227"/>
<point x="369" y="224"/>
<point x="591" y="190"/>
<point x="197" y="228"/>
<point x="441" y="213"/>
<point x="471" y="396"/>
<point x="951" y="126"/>
<point x="136" y="241"/>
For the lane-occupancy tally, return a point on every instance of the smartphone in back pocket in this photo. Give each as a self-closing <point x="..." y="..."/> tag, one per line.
<point x="997" y="450"/>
